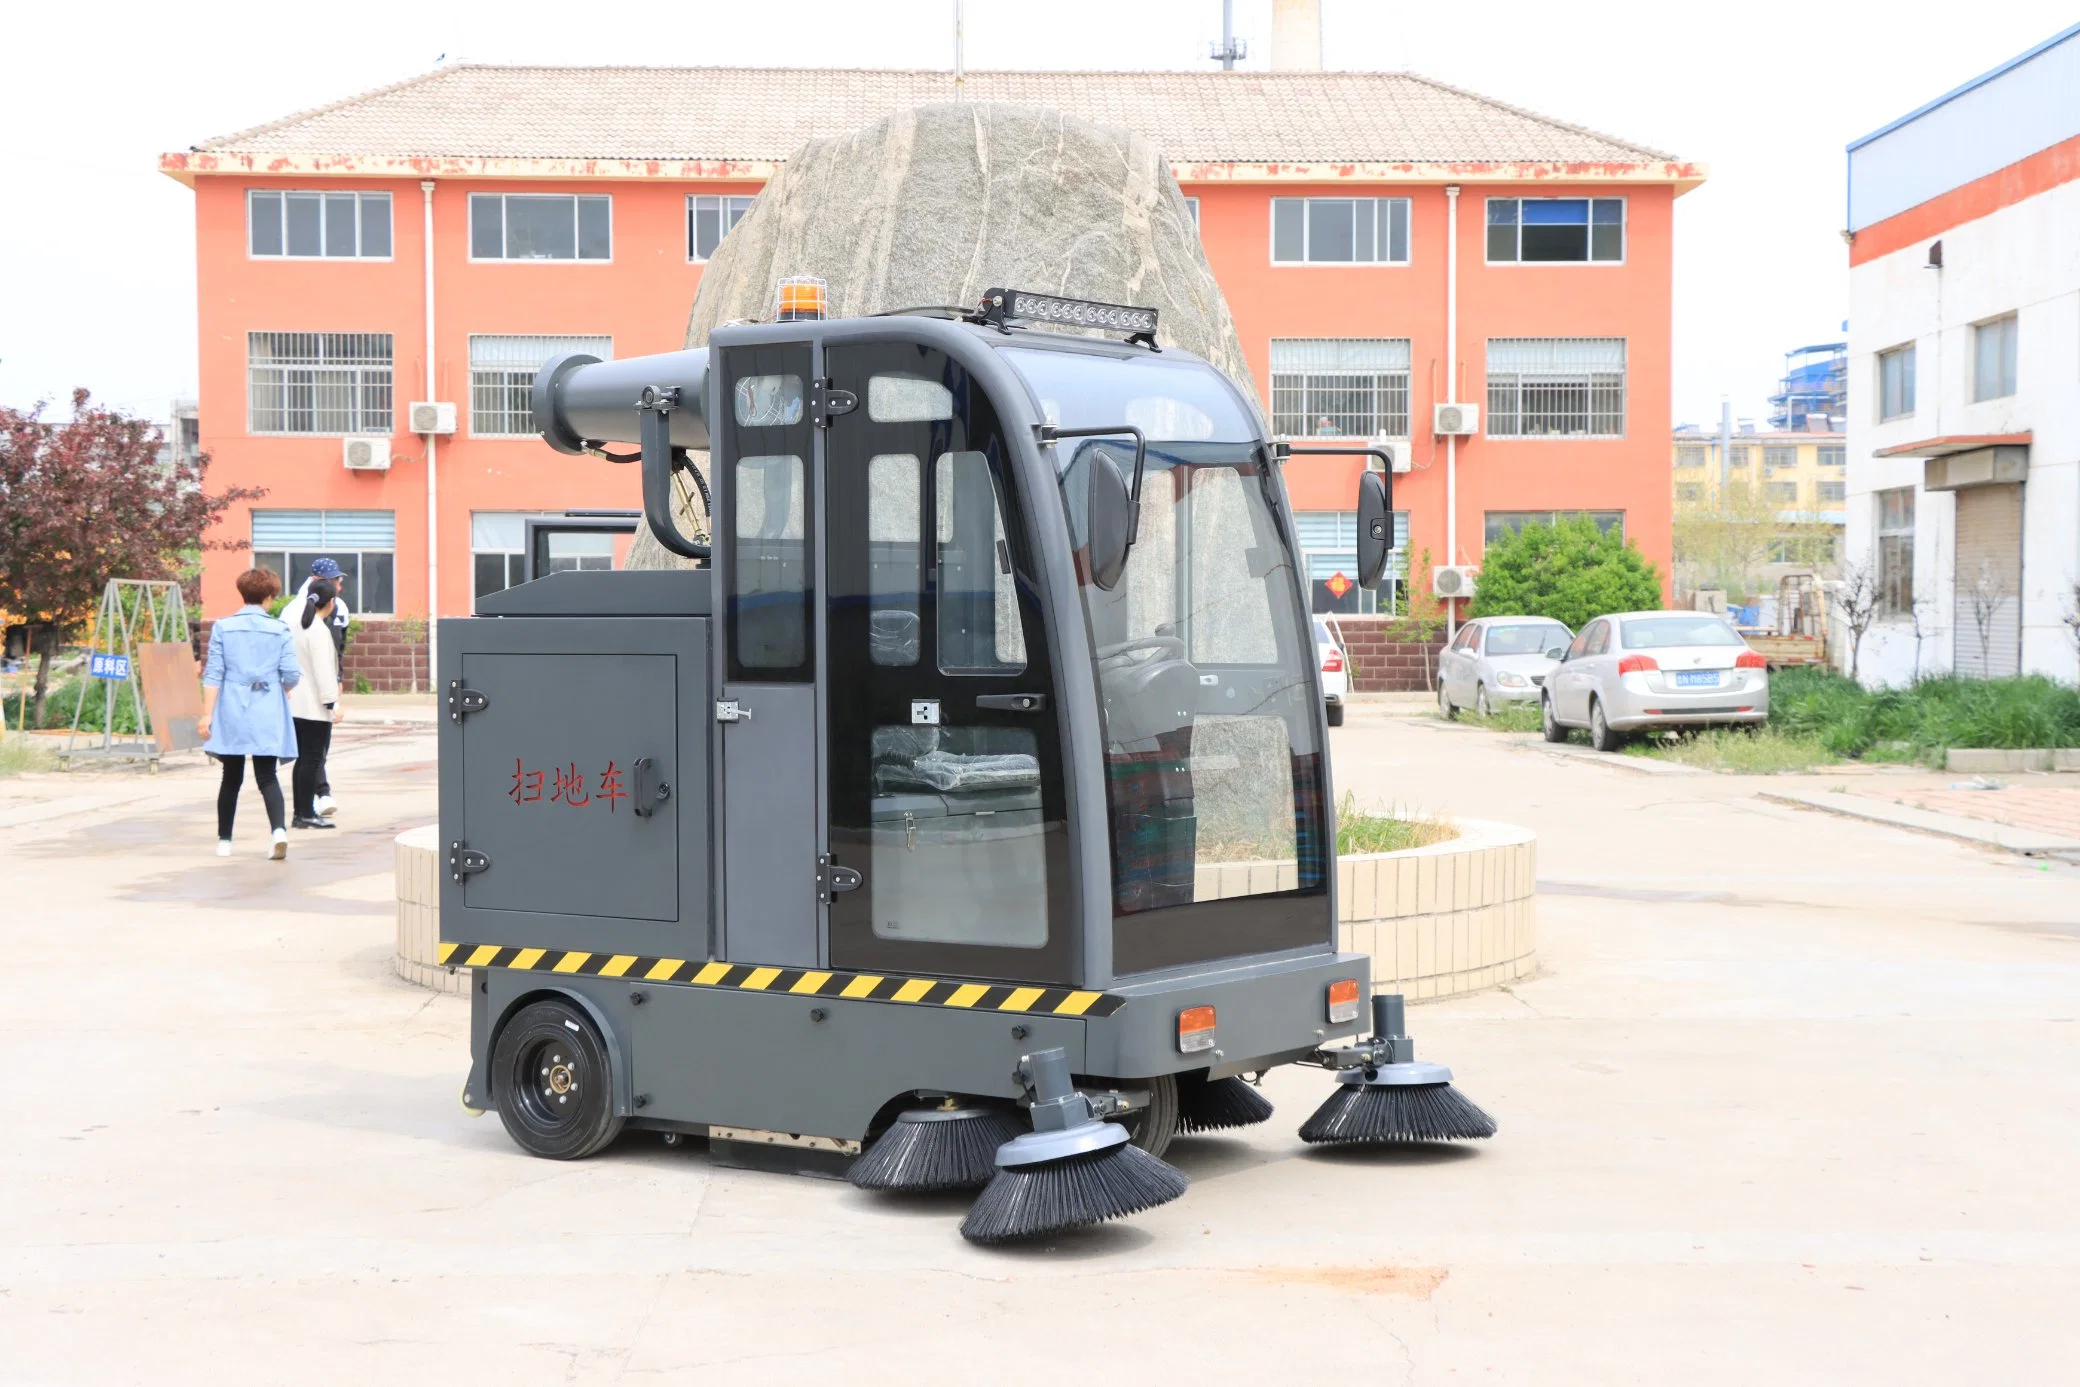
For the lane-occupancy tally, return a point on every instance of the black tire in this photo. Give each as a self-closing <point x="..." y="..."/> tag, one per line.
<point x="1336" y="715"/>
<point x="1548" y="723"/>
<point x="1445" y="709"/>
<point x="1480" y="701"/>
<point x="1153" y="1127"/>
<point x="1600" y="734"/>
<point x="552" y="1080"/>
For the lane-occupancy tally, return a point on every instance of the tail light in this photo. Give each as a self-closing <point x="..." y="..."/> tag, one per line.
<point x="1637" y="664"/>
<point x="1195" y="1029"/>
<point x="1332" y="663"/>
<point x="1343" y="1000"/>
<point x="1748" y="659"/>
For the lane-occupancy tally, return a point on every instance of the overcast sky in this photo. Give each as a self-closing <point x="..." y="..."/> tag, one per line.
<point x="98" y="247"/>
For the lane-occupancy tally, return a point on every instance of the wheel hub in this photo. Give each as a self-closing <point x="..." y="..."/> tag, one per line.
<point x="559" y="1077"/>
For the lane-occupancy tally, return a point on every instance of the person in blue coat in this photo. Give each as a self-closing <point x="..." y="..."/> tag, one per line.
<point x="245" y="705"/>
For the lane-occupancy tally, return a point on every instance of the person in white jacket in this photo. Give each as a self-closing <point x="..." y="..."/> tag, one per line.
<point x="314" y="702"/>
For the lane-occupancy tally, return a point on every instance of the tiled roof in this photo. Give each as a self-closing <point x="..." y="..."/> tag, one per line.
<point x="765" y="114"/>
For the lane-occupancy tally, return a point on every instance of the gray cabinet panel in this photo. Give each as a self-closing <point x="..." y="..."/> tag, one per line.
<point x="770" y="826"/>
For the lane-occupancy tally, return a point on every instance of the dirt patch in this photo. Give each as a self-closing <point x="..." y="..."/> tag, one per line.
<point x="1412" y="1283"/>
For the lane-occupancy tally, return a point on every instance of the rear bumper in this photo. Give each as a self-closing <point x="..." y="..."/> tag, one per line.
<point x="1268" y="1013"/>
<point x="1715" y="716"/>
<point x="1501" y="693"/>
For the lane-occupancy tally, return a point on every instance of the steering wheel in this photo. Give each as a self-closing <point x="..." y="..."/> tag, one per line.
<point x="1163" y="647"/>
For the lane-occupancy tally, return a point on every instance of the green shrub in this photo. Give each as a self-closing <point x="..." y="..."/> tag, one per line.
<point x="1926" y="718"/>
<point x="1571" y="572"/>
<point x="59" y="703"/>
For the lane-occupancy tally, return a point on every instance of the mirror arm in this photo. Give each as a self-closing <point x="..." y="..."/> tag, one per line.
<point x="660" y="460"/>
<point x="1048" y="433"/>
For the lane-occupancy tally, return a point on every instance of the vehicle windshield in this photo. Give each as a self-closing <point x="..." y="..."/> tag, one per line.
<point x="1164" y="397"/>
<point x="1206" y="667"/>
<point x="1533" y="639"/>
<point x="1662" y="632"/>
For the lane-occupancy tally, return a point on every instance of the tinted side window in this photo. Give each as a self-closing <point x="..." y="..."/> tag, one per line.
<point x="766" y="517"/>
<point x="1600" y="638"/>
<point x="1581" y="644"/>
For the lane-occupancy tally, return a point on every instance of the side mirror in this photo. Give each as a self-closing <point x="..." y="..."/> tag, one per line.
<point x="1375" y="527"/>
<point x="1558" y="652"/>
<point x="1109" y="521"/>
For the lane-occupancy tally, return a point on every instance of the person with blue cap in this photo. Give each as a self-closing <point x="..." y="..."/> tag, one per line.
<point x="326" y="570"/>
<point x="245" y="705"/>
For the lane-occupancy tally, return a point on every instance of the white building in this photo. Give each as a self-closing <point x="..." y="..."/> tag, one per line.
<point x="1964" y="374"/>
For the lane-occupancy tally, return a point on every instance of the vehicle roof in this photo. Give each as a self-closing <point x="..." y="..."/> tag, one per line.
<point x="1496" y="620"/>
<point x="1631" y="616"/>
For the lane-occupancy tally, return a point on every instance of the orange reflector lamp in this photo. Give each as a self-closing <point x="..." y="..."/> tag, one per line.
<point x="1343" y="1000"/>
<point x="800" y="298"/>
<point x="1195" y="1029"/>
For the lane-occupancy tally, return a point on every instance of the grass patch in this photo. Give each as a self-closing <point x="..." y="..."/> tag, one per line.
<point x="1361" y="830"/>
<point x="1507" y="717"/>
<point x="65" y="697"/>
<point x="19" y="754"/>
<point x="1765" y="750"/>
<point x="1923" y="720"/>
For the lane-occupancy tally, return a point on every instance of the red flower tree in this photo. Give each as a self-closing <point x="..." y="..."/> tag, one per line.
<point x="88" y="500"/>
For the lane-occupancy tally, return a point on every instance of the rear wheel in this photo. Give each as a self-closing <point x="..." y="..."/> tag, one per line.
<point x="1336" y="715"/>
<point x="1548" y="723"/>
<point x="1600" y="734"/>
<point x="1480" y="701"/>
<point x="552" y="1079"/>
<point x="1152" y="1127"/>
<point x="1445" y="709"/>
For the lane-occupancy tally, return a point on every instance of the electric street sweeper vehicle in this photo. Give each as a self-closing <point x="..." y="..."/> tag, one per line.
<point x="962" y="819"/>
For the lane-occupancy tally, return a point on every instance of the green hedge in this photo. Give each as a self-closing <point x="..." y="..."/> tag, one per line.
<point x="59" y="703"/>
<point x="1930" y="716"/>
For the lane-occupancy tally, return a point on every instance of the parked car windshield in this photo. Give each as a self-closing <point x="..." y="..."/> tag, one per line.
<point x="1661" y="632"/>
<point x="1321" y="634"/>
<point x="1533" y="639"/>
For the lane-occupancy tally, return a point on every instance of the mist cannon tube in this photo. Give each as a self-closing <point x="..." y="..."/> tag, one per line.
<point x="580" y="400"/>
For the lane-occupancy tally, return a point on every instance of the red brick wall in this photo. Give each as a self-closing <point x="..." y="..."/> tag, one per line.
<point x="389" y="654"/>
<point x="1387" y="655"/>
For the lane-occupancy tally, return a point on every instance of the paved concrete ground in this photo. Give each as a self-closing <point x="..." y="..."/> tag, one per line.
<point x="1795" y="1100"/>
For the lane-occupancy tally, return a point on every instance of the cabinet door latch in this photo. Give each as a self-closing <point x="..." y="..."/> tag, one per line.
<point x="463" y="862"/>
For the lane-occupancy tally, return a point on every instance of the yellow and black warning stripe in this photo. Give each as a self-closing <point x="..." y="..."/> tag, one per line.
<point x="800" y="982"/>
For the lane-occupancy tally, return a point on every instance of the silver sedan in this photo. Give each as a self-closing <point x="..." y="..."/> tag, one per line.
<point x="1498" y="659"/>
<point x="1639" y="670"/>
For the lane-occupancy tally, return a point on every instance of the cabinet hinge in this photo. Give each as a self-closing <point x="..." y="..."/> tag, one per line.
<point x="463" y="862"/>
<point x="462" y="702"/>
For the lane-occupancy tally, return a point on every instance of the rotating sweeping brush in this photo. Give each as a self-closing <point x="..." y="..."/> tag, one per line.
<point x="1212" y="1105"/>
<point x="1071" y="1170"/>
<point x="944" y="1148"/>
<point x="1385" y="1094"/>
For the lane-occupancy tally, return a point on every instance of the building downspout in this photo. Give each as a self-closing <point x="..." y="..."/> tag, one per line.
<point x="433" y="504"/>
<point x="1451" y="394"/>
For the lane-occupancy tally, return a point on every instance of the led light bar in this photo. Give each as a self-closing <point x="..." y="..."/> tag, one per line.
<point x="1048" y="308"/>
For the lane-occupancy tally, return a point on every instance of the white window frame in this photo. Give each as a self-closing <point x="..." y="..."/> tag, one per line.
<point x="358" y="194"/>
<point x="1904" y="351"/>
<point x="378" y="420"/>
<point x="1192" y="204"/>
<point x="470" y="231"/>
<point x="1557" y="377"/>
<point x="722" y="199"/>
<point x="2008" y="364"/>
<point x="1624" y="231"/>
<point x="559" y="343"/>
<point x="1379" y="380"/>
<point x="1880" y="533"/>
<point x="1271" y="241"/>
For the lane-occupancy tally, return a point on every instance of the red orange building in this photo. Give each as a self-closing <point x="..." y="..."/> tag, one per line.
<point x="1386" y="243"/>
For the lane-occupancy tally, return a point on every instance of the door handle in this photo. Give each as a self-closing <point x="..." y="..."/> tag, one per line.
<point x="649" y="791"/>
<point x="1012" y="703"/>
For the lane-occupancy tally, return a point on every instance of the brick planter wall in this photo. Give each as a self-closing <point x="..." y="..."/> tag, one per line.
<point x="383" y="651"/>
<point x="1383" y="659"/>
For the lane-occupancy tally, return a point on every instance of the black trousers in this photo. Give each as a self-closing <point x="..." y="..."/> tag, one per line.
<point x="235" y="778"/>
<point x="307" y="778"/>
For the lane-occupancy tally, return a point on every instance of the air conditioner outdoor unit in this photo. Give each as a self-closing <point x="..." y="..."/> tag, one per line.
<point x="365" y="454"/>
<point x="1452" y="580"/>
<point x="1395" y="448"/>
<point x="1460" y="420"/>
<point x="430" y="416"/>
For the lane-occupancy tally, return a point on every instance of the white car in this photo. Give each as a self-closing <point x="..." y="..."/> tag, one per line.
<point x="1498" y="659"/>
<point x="1638" y="670"/>
<point x="1336" y="670"/>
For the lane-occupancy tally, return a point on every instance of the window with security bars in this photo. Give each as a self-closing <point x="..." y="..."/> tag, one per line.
<point x="501" y="378"/>
<point x="319" y="382"/>
<point x="1690" y="455"/>
<point x="1556" y="387"/>
<point x="1779" y="459"/>
<point x="708" y="220"/>
<point x="1339" y="387"/>
<point x="1833" y="457"/>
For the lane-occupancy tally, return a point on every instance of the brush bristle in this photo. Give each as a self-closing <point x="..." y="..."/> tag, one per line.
<point x="1033" y="1201"/>
<point x="936" y="1155"/>
<point x="1397" y="1113"/>
<point x="1212" y="1105"/>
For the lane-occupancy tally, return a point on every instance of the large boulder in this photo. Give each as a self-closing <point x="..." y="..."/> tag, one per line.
<point x="938" y="204"/>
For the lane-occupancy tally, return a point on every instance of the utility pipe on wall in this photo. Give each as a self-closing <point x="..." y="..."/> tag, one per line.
<point x="1451" y="388"/>
<point x="433" y="505"/>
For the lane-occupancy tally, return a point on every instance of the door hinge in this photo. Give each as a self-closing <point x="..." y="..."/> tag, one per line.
<point x="827" y="402"/>
<point x="833" y="880"/>
<point x="729" y="710"/>
<point x="462" y="702"/>
<point x="463" y="862"/>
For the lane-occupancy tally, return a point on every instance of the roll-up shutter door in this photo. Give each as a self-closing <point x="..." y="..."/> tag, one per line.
<point x="1988" y="640"/>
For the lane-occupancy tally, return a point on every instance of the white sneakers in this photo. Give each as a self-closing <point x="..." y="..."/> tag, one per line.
<point x="223" y="847"/>
<point x="280" y="848"/>
<point x="326" y="806"/>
